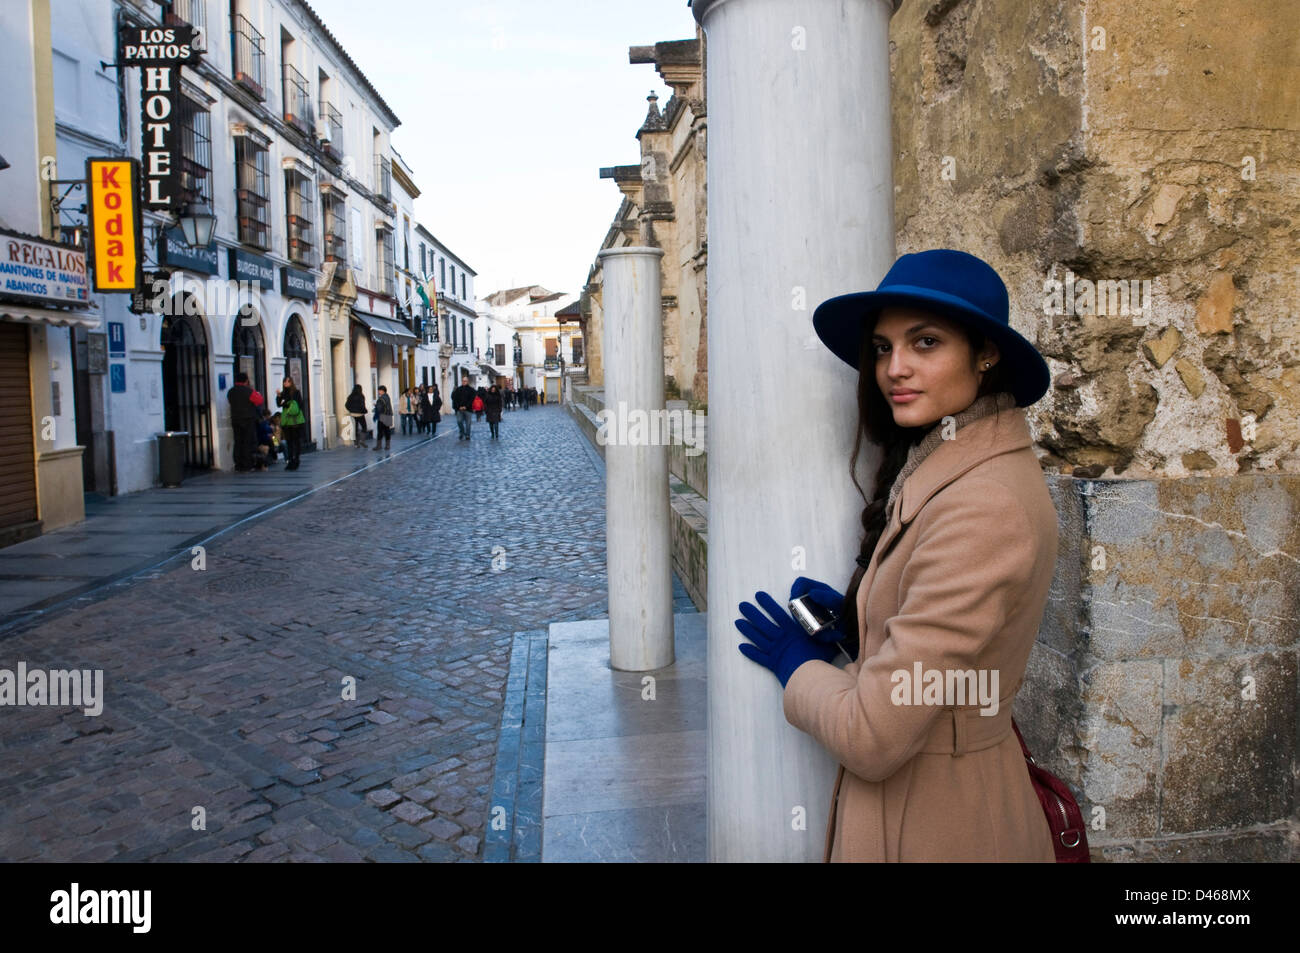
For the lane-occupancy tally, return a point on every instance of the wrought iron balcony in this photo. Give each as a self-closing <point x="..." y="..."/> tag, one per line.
<point x="247" y="47"/>
<point x="297" y="100"/>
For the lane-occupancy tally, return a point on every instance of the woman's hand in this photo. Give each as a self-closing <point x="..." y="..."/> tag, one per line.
<point x="780" y="644"/>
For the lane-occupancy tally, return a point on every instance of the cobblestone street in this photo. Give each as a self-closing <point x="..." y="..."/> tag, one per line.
<point x="224" y="688"/>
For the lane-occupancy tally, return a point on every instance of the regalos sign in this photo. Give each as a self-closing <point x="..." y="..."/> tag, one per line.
<point x="114" y="209"/>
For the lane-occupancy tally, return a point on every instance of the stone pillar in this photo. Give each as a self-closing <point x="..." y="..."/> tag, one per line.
<point x="800" y="198"/>
<point x="638" y="543"/>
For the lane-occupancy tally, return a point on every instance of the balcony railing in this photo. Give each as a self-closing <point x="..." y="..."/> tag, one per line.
<point x="298" y="208"/>
<point x="297" y="100"/>
<point x="187" y="13"/>
<point x="383" y="178"/>
<point x="332" y="127"/>
<point x="247" y="48"/>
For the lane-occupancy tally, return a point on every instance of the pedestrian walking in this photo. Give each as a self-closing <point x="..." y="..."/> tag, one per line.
<point x="952" y="579"/>
<point x="429" y="417"/>
<point x="479" y="397"/>
<point x="409" y="404"/>
<point x="492" y="407"/>
<point x="244" y="414"/>
<point x="462" y="399"/>
<point x="356" y="406"/>
<point x="383" y="414"/>
<point x="293" y="422"/>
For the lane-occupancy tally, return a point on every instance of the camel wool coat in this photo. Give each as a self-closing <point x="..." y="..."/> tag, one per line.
<point x="957" y="582"/>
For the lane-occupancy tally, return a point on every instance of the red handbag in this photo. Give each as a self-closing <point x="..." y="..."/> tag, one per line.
<point x="1069" y="836"/>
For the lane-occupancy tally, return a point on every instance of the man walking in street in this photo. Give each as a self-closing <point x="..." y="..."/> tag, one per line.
<point x="243" y="420"/>
<point x="462" y="400"/>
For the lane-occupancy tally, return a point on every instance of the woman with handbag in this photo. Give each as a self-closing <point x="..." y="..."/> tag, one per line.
<point x="292" y="421"/>
<point x="958" y="552"/>
<point x="383" y="420"/>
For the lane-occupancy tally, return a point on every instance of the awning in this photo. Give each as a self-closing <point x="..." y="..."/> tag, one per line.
<point x="67" y="319"/>
<point x="385" y="331"/>
<point x="490" y="371"/>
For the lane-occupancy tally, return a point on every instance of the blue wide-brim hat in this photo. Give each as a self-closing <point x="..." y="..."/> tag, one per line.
<point x="951" y="283"/>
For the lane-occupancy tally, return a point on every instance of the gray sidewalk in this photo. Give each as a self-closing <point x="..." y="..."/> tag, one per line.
<point x="124" y="535"/>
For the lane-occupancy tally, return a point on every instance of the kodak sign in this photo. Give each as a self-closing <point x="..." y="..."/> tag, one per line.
<point x="114" y="213"/>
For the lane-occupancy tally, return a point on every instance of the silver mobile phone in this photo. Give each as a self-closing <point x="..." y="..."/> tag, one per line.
<point x="813" y="616"/>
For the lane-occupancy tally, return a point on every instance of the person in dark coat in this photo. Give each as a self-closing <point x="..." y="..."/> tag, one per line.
<point x="492" y="405"/>
<point x="384" y="421"/>
<point x="244" y="415"/>
<point x="462" y="398"/>
<point x="356" y="406"/>
<point x="429" y="417"/>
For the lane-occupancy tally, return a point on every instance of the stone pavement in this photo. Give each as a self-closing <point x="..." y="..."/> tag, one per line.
<point x="122" y="535"/>
<point x="225" y="689"/>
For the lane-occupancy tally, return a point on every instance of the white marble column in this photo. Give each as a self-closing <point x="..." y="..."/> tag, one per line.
<point x="800" y="209"/>
<point x="638" y="536"/>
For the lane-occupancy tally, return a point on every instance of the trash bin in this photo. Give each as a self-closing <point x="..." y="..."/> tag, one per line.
<point x="171" y="456"/>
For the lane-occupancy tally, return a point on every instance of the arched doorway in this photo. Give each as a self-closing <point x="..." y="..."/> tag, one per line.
<point x="187" y="398"/>
<point x="297" y="366"/>
<point x="249" y="350"/>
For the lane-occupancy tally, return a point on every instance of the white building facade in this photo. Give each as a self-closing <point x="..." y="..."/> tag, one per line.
<point x="287" y="142"/>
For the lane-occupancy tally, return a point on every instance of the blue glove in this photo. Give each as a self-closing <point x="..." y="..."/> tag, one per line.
<point x="781" y="645"/>
<point x="827" y="598"/>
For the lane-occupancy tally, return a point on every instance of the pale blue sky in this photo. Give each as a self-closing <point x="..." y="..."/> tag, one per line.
<point x="509" y="108"/>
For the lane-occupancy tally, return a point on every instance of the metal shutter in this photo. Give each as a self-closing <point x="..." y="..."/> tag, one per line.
<point x="17" y="447"/>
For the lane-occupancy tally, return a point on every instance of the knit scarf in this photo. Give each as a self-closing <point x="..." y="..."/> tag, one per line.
<point x="980" y="407"/>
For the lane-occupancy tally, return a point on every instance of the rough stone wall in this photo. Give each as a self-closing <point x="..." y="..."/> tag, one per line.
<point x="1107" y="143"/>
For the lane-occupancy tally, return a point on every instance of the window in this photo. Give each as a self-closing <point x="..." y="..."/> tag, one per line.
<point x="247" y="53"/>
<point x="423" y="270"/>
<point x="331" y="125"/>
<point x="500" y="355"/>
<point x="384" y="261"/>
<point x="298" y="215"/>
<point x="442" y="274"/>
<point x="252" y="193"/>
<point x="406" y="243"/>
<point x="196" y="151"/>
<point x="187" y="13"/>
<point x="462" y="285"/>
<point x="577" y="351"/>
<point x="452" y="286"/>
<point x="462" y="332"/>
<point x="334" y="228"/>
<point x="471" y="337"/>
<point x="297" y="101"/>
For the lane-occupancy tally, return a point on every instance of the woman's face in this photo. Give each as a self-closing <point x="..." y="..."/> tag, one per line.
<point x="924" y="365"/>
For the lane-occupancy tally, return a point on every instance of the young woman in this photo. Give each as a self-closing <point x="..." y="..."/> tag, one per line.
<point x="293" y="422"/>
<point x="355" y="405"/>
<point x="958" y="551"/>
<point x="492" y="406"/>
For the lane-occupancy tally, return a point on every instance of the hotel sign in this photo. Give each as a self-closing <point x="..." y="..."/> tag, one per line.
<point x="114" y="217"/>
<point x="159" y="52"/>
